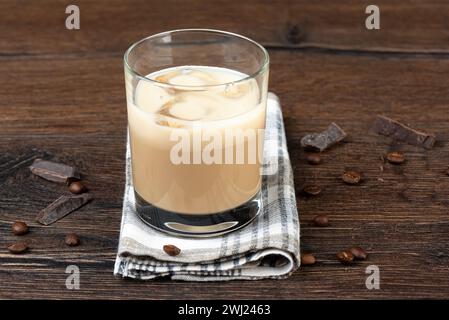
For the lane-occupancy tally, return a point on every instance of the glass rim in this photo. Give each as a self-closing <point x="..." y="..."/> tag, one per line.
<point x="261" y="68"/>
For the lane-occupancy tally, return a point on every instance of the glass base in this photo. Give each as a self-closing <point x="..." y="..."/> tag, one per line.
<point x="199" y="225"/>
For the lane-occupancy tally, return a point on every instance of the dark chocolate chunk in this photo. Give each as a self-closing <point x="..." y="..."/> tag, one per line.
<point x="399" y="131"/>
<point x="322" y="141"/>
<point x="53" y="171"/>
<point x="61" y="207"/>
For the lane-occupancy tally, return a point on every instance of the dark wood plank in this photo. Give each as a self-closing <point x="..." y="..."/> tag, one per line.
<point x="68" y="99"/>
<point x="111" y="26"/>
<point x="77" y="92"/>
<point x="401" y="219"/>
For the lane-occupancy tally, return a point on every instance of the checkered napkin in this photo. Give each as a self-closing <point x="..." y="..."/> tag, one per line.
<point x="268" y="247"/>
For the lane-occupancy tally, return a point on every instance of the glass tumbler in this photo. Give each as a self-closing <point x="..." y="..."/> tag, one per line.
<point x="196" y="101"/>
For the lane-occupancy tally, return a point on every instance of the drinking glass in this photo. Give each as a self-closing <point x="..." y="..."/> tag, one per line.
<point x="196" y="101"/>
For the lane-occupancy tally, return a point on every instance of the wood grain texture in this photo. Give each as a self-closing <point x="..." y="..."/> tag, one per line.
<point x="65" y="101"/>
<point x="30" y="28"/>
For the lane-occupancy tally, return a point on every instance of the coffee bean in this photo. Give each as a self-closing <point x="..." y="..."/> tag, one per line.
<point x="77" y="187"/>
<point x="312" y="190"/>
<point x="358" y="253"/>
<point x="307" y="259"/>
<point x="345" y="257"/>
<point x="72" y="240"/>
<point x="395" y="157"/>
<point x="171" y="250"/>
<point x="18" y="247"/>
<point x="351" y="177"/>
<point x="19" y="228"/>
<point x="321" y="221"/>
<point x="313" y="158"/>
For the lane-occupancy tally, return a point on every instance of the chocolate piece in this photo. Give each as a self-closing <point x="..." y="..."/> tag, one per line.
<point x="61" y="207"/>
<point x="399" y="131"/>
<point x="322" y="141"/>
<point x="53" y="171"/>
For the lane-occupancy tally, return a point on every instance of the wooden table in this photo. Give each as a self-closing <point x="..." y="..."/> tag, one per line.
<point x="62" y="96"/>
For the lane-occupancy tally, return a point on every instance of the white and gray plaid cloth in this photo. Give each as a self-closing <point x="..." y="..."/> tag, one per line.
<point x="266" y="248"/>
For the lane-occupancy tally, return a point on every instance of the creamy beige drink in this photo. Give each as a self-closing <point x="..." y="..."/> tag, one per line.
<point x="190" y="99"/>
